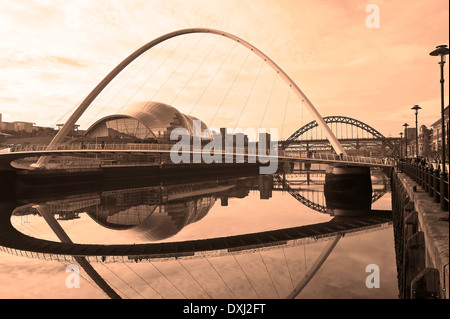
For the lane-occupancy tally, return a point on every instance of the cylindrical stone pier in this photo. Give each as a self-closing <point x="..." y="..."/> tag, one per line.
<point x="348" y="191"/>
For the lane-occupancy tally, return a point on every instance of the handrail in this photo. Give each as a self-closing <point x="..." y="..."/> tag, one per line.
<point x="166" y="147"/>
<point x="434" y="181"/>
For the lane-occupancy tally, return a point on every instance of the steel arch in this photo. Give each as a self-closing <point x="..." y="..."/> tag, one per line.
<point x="99" y="88"/>
<point x="340" y="119"/>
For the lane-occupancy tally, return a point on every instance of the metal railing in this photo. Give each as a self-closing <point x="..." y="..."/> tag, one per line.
<point x="431" y="179"/>
<point x="237" y="151"/>
<point x="85" y="146"/>
<point x="343" y="158"/>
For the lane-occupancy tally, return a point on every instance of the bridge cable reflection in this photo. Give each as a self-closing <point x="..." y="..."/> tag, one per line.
<point x="313" y="270"/>
<point x="170" y="281"/>
<point x="145" y="281"/>
<point x="246" y="276"/>
<point x="271" y="280"/>
<point x="61" y="234"/>
<point x="288" y="268"/>
<point x="220" y="276"/>
<point x="89" y="280"/>
<point x="277" y="275"/>
<point x="104" y="265"/>
<point x="194" y="278"/>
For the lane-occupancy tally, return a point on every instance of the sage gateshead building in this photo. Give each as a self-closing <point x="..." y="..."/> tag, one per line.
<point x="142" y="122"/>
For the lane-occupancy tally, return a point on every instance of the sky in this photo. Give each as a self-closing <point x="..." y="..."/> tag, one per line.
<point x="53" y="53"/>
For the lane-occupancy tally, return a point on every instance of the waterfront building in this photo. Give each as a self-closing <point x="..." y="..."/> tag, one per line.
<point x="437" y="132"/>
<point x="143" y="122"/>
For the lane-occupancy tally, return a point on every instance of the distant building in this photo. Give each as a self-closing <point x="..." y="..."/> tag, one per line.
<point x="23" y="127"/>
<point x="18" y="126"/>
<point x="410" y="141"/>
<point x="410" y="133"/>
<point x="436" y="143"/>
<point x="425" y="141"/>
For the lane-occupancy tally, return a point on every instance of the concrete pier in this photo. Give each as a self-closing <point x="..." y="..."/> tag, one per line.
<point x="421" y="231"/>
<point x="348" y="191"/>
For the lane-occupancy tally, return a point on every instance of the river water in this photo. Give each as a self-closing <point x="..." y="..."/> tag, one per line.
<point x="189" y="211"/>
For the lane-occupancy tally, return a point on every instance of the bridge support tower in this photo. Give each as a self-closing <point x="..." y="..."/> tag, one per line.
<point x="348" y="191"/>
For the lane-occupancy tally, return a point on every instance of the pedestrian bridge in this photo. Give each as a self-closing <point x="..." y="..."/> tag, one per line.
<point x="7" y="156"/>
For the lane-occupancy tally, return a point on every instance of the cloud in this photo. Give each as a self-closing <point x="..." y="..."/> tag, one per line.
<point x="325" y="47"/>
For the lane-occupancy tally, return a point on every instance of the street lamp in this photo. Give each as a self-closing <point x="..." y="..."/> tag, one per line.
<point x="442" y="51"/>
<point x="406" y="139"/>
<point x="417" y="108"/>
<point x="401" y="141"/>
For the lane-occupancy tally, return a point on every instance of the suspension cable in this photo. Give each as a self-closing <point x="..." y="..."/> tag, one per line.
<point x="212" y="78"/>
<point x="196" y="70"/>
<point x="231" y="86"/>
<point x="177" y="67"/>
<point x="159" y="67"/>
<point x="285" y="111"/>
<point x="251" y="91"/>
<point x="270" y="96"/>
<point x="122" y="75"/>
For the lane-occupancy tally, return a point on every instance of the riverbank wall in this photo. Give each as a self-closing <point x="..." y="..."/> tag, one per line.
<point x="421" y="232"/>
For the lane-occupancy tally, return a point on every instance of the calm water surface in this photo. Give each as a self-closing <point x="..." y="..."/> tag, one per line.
<point x="194" y="210"/>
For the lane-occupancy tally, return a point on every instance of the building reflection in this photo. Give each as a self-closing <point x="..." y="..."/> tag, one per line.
<point x="157" y="213"/>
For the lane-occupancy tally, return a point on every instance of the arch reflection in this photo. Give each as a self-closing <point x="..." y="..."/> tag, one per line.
<point x="156" y="213"/>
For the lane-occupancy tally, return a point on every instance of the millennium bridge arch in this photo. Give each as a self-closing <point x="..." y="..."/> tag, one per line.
<point x="343" y="120"/>
<point x="102" y="85"/>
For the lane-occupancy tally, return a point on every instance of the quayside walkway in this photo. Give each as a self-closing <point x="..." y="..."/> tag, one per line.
<point x="421" y="229"/>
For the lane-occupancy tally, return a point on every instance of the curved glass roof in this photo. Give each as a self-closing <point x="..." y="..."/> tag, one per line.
<point x="143" y="121"/>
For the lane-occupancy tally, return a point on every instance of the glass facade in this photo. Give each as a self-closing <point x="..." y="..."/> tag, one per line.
<point x="143" y="122"/>
<point x="122" y="129"/>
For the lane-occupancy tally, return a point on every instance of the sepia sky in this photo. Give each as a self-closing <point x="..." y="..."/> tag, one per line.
<point x="53" y="53"/>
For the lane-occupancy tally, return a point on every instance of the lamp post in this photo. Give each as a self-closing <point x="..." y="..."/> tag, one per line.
<point x="442" y="51"/>
<point x="417" y="108"/>
<point x="401" y="142"/>
<point x="406" y="139"/>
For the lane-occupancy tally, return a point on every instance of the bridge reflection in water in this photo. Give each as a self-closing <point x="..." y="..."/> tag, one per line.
<point x="152" y="216"/>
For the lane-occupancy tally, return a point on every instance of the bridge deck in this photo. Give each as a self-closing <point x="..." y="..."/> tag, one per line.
<point x="11" y="154"/>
